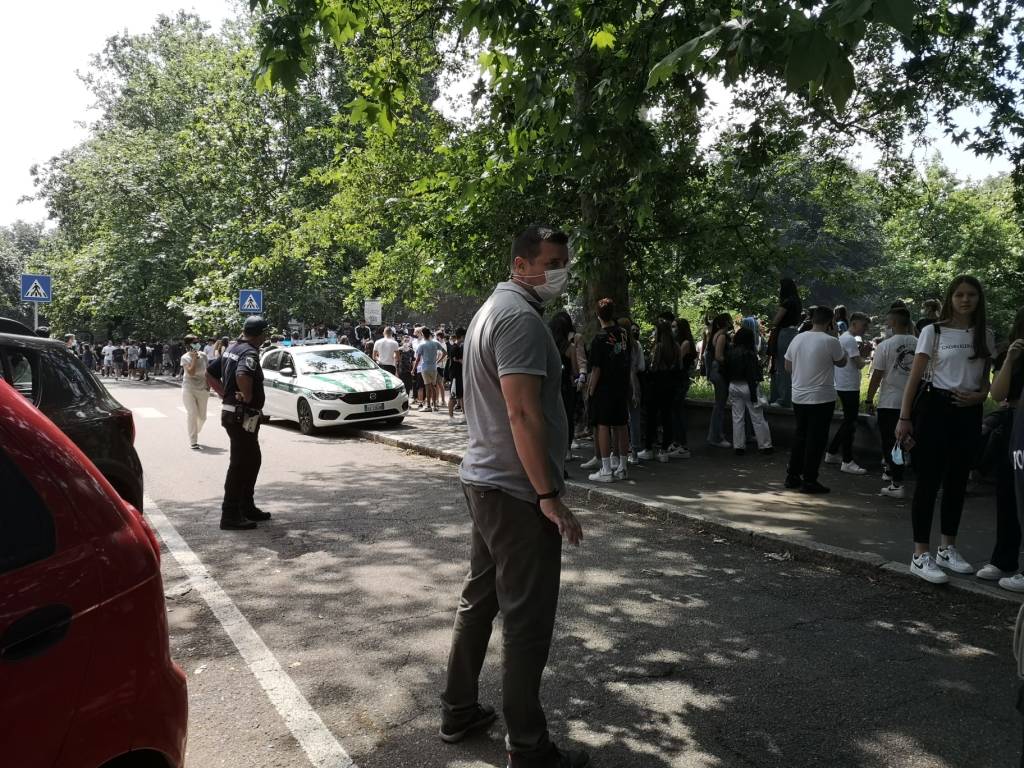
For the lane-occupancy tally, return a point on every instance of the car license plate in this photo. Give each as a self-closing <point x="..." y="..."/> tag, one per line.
<point x="374" y="407"/>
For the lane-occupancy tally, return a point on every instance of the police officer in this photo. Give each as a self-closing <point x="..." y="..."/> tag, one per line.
<point x="237" y="377"/>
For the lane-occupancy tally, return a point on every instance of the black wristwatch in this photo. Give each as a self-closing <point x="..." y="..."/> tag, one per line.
<point x="548" y="495"/>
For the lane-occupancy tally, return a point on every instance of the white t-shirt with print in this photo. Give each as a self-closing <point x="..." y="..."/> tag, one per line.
<point x="108" y="353"/>
<point x="848" y="377"/>
<point x="813" y="355"/>
<point x="894" y="357"/>
<point x="953" y="368"/>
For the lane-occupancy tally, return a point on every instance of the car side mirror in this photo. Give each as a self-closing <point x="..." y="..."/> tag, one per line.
<point x="287" y="371"/>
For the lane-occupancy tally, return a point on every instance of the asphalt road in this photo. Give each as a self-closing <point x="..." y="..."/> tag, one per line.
<point x="672" y="648"/>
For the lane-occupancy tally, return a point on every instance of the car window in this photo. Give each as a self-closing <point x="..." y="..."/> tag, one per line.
<point x="334" y="360"/>
<point x="270" y="361"/>
<point x="21" y="370"/>
<point x="67" y="380"/>
<point x="26" y="525"/>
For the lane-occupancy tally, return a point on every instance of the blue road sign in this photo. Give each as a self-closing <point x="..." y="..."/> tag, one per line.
<point x="36" y="288"/>
<point x="250" y="301"/>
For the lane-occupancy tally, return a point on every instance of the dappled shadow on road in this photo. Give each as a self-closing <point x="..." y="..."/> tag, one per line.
<point x="749" y="491"/>
<point x="673" y="649"/>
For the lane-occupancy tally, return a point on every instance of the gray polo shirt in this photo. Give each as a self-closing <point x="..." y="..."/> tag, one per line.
<point x="508" y="335"/>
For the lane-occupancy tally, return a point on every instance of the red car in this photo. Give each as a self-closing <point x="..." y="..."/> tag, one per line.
<point x="86" y="677"/>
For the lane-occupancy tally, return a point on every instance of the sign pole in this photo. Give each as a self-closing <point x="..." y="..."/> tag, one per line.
<point x="35" y="315"/>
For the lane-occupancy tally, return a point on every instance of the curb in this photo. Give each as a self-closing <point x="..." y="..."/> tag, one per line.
<point x="846" y="560"/>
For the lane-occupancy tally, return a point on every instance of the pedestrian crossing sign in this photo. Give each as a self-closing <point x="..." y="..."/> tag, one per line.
<point x="250" y="301"/>
<point x="36" y="288"/>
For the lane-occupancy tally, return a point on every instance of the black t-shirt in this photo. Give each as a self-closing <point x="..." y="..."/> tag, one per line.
<point x="609" y="351"/>
<point x="1016" y="378"/>
<point x="454" y="363"/>
<point x="240" y="354"/>
<point x="793" y="314"/>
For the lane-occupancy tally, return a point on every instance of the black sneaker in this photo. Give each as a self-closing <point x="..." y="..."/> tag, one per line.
<point x="793" y="482"/>
<point x="256" y="514"/>
<point x="814" y="488"/>
<point x="482" y="719"/>
<point x="557" y="758"/>
<point x="236" y="523"/>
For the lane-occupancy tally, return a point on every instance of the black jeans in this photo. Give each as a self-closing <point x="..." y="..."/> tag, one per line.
<point x="843" y="439"/>
<point x="888" y="418"/>
<point x="1006" y="552"/>
<point x="660" y="394"/>
<point x="243" y="465"/>
<point x="812" y="423"/>
<point x="515" y="566"/>
<point x="945" y="439"/>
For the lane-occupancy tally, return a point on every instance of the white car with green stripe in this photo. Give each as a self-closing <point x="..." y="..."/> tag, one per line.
<point x="329" y="385"/>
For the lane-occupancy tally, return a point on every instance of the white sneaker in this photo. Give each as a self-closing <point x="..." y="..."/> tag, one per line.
<point x="622" y="473"/>
<point x="991" y="573"/>
<point x="894" y="491"/>
<point x="677" y="451"/>
<point x="886" y="477"/>
<point x="593" y="463"/>
<point x="924" y="566"/>
<point x="833" y="458"/>
<point x="615" y="461"/>
<point x="576" y="445"/>
<point x="663" y="457"/>
<point x="603" y="477"/>
<point x="852" y="468"/>
<point x="1013" y="583"/>
<point x="948" y="557"/>
<point x="721" y="444"/>
<point x="633" y="458"/>
<point x="646" y="455"/>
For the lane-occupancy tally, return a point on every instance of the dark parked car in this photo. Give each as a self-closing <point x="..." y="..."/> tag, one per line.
<point x="57" y="383"/>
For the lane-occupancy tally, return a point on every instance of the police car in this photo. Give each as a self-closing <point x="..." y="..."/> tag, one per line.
<point x="329" y="385"/>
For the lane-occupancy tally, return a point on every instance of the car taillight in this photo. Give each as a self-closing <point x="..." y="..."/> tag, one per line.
<point x="127" y="423"/>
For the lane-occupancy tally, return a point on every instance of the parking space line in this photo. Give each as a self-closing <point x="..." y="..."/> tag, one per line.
<point x="319" y="744"/>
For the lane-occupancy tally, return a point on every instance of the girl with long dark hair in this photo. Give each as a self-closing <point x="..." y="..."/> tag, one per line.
<point x="714" y="354"/>
<point x="1004" y="565"/>
<point x="683" y="335"/>
<point x="953" y="359"/>
<point x="743" y="372"/>
<point x="662" y="377"/>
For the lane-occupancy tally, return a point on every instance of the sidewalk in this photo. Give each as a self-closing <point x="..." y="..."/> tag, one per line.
<point x="742" y="498"/>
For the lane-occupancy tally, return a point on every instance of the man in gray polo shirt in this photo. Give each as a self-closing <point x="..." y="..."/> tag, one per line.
<point x="512" y="477"/>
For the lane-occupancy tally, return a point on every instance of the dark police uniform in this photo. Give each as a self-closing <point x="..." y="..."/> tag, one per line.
<point x="239" y="510"/>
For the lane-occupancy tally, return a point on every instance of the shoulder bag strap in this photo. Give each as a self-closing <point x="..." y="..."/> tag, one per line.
<point x="929" y="374"/>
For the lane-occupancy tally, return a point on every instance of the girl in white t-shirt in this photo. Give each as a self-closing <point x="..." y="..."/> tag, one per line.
<point x="956" y="352"/>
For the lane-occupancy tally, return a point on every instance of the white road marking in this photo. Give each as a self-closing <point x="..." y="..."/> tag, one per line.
<point x="183" y="409"/>
<point x="148" y="413"/>
<point x="319" y="744"/>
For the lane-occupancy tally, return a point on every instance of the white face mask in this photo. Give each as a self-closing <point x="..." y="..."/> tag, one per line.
<point x="555" y="281"/>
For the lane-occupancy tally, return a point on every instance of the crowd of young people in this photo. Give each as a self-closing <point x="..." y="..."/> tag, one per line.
<point x="927" y="385"/>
